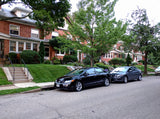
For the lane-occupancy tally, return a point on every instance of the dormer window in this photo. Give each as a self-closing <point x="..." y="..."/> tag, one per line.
<point x="14" y="29"/>
<point x="34" y="33"/>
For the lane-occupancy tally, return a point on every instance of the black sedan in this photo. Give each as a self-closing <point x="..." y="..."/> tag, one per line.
<point x="81" y="78"/>
<point x="125" y="74"/>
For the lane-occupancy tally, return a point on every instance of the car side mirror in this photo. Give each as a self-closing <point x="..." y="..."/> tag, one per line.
<point x="85" y="74"/>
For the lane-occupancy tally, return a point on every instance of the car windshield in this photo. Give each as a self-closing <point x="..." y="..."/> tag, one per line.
<point x="120" y="69"/>
<point x="158" y="67"/>
<point x="75" y="72"/>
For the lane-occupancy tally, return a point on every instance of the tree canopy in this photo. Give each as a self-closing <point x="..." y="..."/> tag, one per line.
<point x="49" y="14"/>
<point x="143" y="36"/>
<point x="94" y="28"/>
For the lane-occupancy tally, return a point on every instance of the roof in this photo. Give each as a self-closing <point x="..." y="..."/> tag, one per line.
<point x="4" y="13"/>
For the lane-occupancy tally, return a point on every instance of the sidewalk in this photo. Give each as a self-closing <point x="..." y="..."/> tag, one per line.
<point x="27" y="84"/>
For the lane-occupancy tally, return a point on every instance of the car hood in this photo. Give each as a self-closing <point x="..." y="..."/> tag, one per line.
<point x="117" y="73"/>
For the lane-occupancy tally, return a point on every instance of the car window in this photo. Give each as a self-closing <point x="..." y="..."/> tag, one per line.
<point x="98" y="70"/>
<point x="90" y="71"/>
<point x="76" y="72"/>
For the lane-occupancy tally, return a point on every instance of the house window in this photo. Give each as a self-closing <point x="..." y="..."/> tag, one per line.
<point x="20" y="46"/>
<point x="34" y="33"/>
<point x="35" y="47"/>
<point x="14" y="30"/>
<point x="54" y="34"/>
<point x="13" y="46"/>
<point x="28" y="46"/>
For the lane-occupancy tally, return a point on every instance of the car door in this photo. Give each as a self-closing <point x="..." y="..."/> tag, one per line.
<point x="130" y="73"/>
<point x="100" y="75"/>
<point x="89" y="77"/>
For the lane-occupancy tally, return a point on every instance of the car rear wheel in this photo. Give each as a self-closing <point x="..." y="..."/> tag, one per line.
<point x="125" y="79"/>
<point x="106" y="82"/>
<point x="140" y="78"/>
<point x="78" y="86"/>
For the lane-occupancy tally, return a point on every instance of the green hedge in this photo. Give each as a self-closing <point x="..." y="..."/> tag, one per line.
<point x="69" y="58"/>
<point x="30" y="57"/>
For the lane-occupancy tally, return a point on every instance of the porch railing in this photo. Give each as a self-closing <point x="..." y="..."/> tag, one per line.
<point x="25" y="68"/>
<point x="13" y="71"/>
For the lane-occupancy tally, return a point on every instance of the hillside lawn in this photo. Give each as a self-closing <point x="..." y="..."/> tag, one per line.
<point x="46" y="72"/>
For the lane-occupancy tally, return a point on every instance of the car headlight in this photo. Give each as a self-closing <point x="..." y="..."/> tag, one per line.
<point x="68" y="81"/>
<point x="118" y="76"/>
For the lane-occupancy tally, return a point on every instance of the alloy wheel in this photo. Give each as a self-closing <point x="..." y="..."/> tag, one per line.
<point x="78" y="86"/>
<point x="106" y="82"/>
<point x="125" y="79"/>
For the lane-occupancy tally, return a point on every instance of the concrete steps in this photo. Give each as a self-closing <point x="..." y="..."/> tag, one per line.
<point x="19" y="76"/>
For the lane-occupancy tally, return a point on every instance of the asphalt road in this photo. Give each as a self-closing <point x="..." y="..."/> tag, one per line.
<point x="134" y="100"/>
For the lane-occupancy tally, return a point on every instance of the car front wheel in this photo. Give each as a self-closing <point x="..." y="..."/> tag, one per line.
<point x="140" y="78"/>
<point x="78" y="86"/>
<point x="106" y="82"/>
<point x="125" y="79"/>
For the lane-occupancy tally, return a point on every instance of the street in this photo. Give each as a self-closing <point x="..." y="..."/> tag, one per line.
<point x="134" y="100"/>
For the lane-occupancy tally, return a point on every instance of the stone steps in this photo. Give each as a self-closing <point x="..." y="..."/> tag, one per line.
<point x="19" y="75"/>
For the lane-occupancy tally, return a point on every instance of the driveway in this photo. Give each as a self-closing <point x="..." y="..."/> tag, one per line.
<point x="134" y="100"/>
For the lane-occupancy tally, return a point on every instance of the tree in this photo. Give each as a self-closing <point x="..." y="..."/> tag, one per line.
<point x="49" y="14"/>
<point x="145" y="36"/>
<point x="94" y="28"/>
<point x="41" y="52"/>
<point x="128" y="59"/>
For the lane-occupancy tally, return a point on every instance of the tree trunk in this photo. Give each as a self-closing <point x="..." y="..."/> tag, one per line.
<point x="145" y="62"/>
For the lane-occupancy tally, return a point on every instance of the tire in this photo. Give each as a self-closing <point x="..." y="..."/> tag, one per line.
<point x="125" y="79"/>
<point x="139" y="78"/>
<point x="78" y="86"/>
<point x="106" y="82"/>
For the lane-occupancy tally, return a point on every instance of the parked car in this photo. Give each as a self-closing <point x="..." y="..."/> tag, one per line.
<point x="157" y="70"/>
<point x="82" y="78"/>
<point x="125" y="74"/>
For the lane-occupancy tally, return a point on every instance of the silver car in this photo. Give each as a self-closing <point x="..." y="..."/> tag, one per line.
<point x="157" y="70"/>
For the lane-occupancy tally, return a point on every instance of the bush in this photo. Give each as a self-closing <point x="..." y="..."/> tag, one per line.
<point x="141" y="61"/>
<point x="87" y="61"/>
<point x="118" y="61"/>
<point x="69" y="58"/>
<point x="47" y="62"/>
<point x="56" y="60"/>
<point x="101" y="65"/>
<point x="30" y="57"/>
<point x="134" y="63"/>
<point x="12" y="55"/>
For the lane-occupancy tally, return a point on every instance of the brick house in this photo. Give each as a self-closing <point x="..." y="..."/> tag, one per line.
<point x="118" y="52"/>
<point x="17" y="35"/>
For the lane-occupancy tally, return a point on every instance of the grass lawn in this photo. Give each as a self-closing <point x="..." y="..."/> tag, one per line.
<point x="46" y="72"/>
<point x="3" y="78"/>
<point x="18" y="90"/>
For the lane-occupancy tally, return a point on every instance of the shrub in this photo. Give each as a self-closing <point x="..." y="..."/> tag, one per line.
<point x="87" y="61"/>
<point x="41" y="52"/>
<point x="55" y="60"/>
<point x="30" y="57"/>
<point x="141" y="61"/>
<point x="69" y="58"/>
<point x="128" y="59"/>
<point x="101" y="65"/>
<point x="12" y="55"/>
<point x="118" y="61"/>
<point x="47" y="62"/>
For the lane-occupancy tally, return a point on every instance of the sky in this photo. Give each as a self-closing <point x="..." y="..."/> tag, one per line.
<point x="124" y="8"/>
